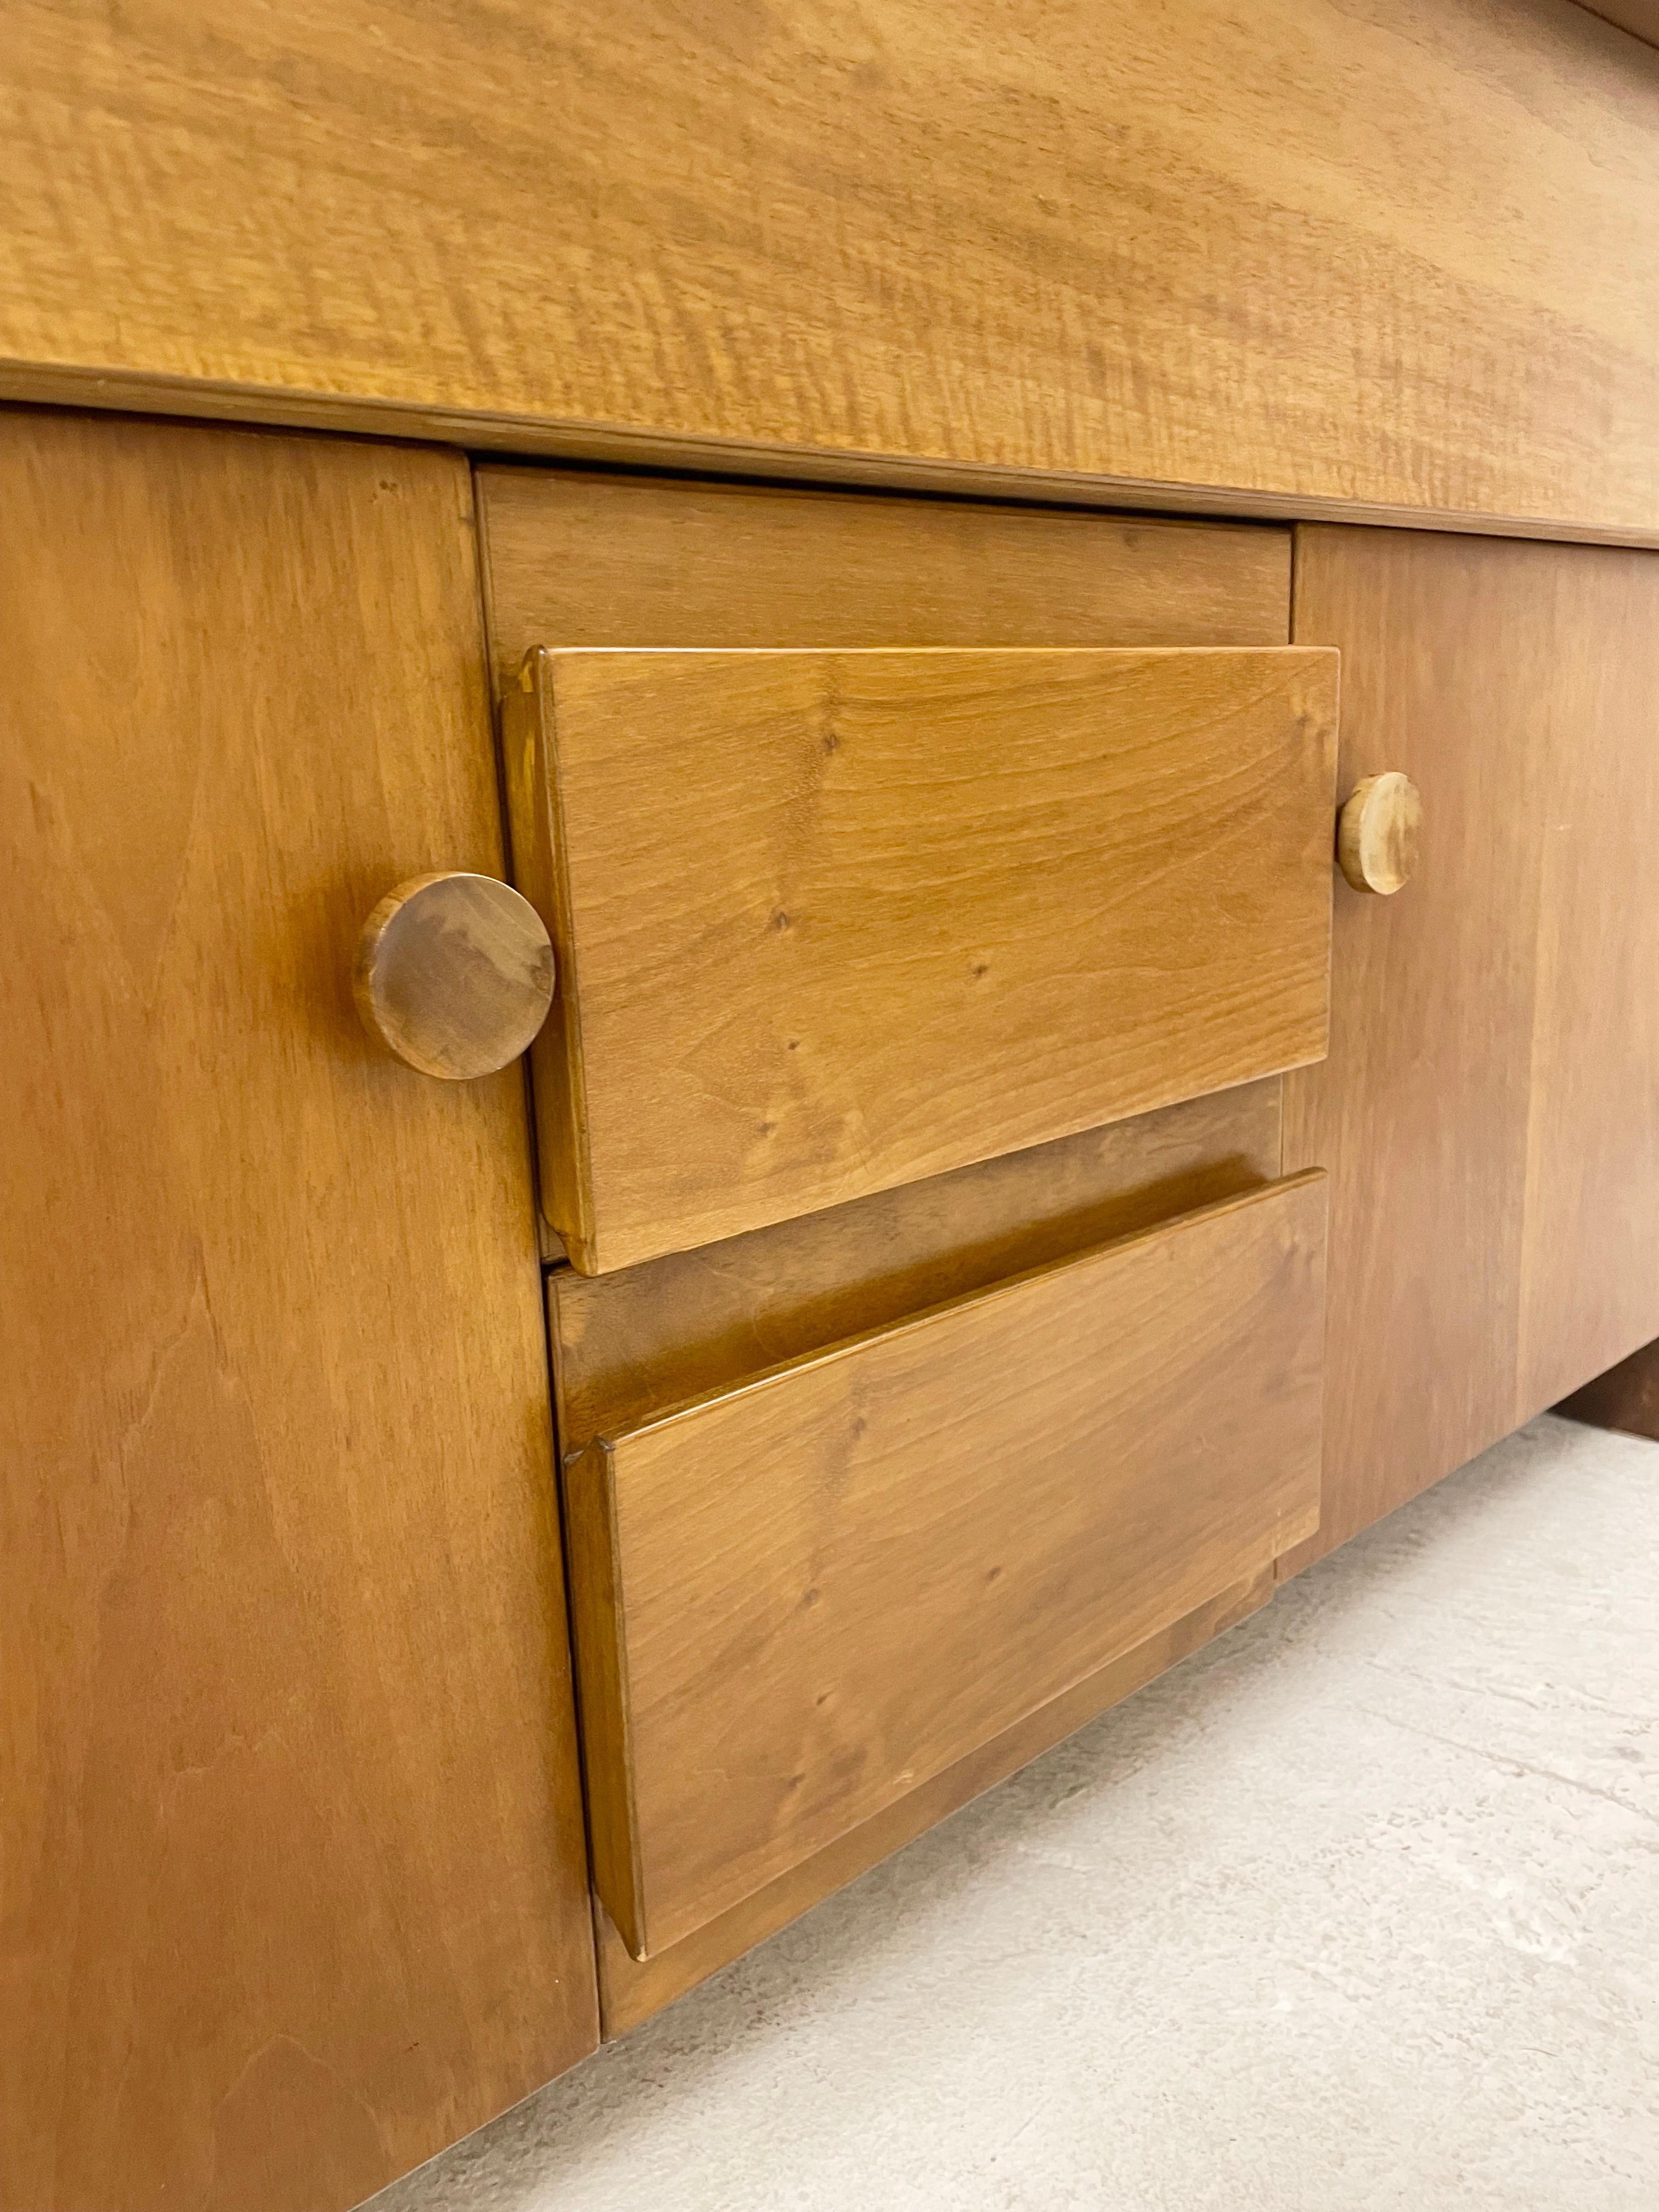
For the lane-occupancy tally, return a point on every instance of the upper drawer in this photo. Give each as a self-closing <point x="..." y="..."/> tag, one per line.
<point x="830" y="920"/>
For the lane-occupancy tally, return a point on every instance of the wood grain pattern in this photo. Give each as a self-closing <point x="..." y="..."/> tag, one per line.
<point x="830" y="922"/>
<point x="577" y="558"/>
<point x="1489" y="1107"/>
<point x="769" y="238"/>
<point x="631" y="1990"/>
<point x="294" y="1863"/>
<point x="797" y="1600"/>
<point x="628" y="1345"/>
<point x="574" y="557"/>
<point x="597" y="560"/>
<point x="1256" y="255"/>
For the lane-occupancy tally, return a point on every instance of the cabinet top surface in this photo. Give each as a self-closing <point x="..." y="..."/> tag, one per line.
<point x="1394" y="262"/>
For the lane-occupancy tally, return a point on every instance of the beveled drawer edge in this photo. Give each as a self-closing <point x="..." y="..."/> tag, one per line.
<point x="1006" y="1286"/>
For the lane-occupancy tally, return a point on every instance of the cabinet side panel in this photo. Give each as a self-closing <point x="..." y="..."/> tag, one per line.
<point x="1590" y="1271"/>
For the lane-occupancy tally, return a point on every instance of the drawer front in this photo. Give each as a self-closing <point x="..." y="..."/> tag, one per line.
<point x="799" y="1599"/>
<point x="831" y="921"/>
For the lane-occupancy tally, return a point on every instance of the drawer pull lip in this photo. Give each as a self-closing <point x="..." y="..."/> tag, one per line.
<point x="454" y="974"/>
<point x="1379" y="833"/>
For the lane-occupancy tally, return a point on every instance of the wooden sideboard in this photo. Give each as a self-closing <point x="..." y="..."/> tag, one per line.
<point x="901" y="540"/>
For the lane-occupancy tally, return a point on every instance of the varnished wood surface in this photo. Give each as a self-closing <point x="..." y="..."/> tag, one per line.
<point x="626" y="1345"/>
<point x="631" y="1990"/>
<point x="1275" y="258"/>
<point x="1489" y="1110"/>
<point x="294" y="1862"/>
<point x="831" y="921"/>
<point x="1590" y="1259"/>
<point x="797" y="1600"/>
<point x="576" y="557"/>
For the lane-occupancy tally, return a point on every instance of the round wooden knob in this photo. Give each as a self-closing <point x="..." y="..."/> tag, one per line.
<point x="454" y="974"/>
<point x="1378" y="831"/>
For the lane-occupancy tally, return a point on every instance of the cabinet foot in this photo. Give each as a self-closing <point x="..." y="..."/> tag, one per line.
<point x="1627" y="1397"/>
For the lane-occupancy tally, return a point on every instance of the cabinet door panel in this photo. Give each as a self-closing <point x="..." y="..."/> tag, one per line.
<point x="294" y="1863"/>
<point x="1489" y="1110"/>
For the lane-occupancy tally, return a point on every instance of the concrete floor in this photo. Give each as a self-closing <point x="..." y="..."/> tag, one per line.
<point x="1357" y="1908"/>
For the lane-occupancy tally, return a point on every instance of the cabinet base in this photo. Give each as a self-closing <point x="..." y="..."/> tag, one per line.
<point x="1627" y="1397"/>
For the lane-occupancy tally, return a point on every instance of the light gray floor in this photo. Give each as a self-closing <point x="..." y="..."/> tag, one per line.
<point x="1357" y="1908"/>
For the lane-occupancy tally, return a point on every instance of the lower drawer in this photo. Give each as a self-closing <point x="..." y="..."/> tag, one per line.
<point x="798" y="1599"/>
